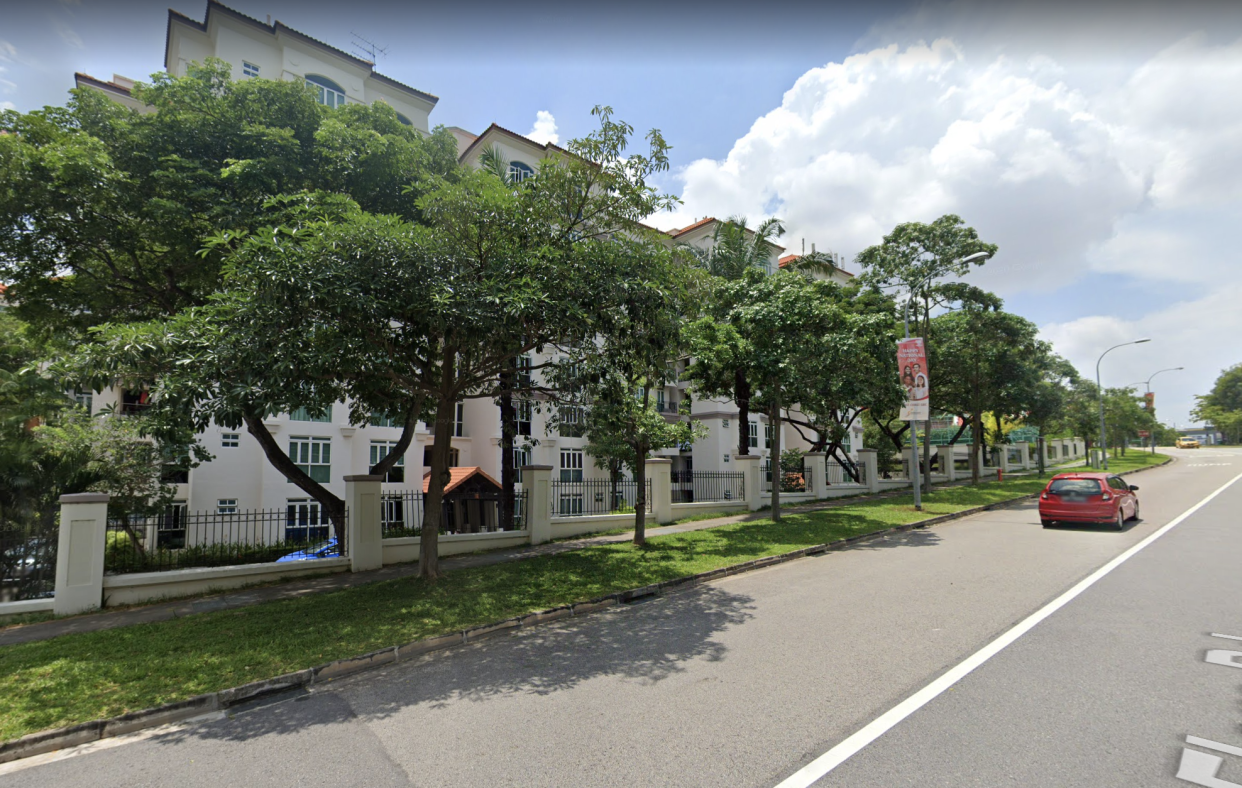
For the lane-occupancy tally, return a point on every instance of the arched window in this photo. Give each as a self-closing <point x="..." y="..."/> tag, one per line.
<point x="328" y="92"/>
<point x="404" y="119"/>
<point x="519" y="171"/>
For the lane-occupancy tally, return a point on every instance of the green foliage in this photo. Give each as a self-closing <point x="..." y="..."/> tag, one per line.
<point x="1222" y="406"/>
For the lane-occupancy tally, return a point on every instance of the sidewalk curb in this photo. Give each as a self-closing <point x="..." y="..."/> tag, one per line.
<point x="86" y="732"/>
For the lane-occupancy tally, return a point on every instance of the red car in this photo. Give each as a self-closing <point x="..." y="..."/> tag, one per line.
<point x="1088" y="498"/>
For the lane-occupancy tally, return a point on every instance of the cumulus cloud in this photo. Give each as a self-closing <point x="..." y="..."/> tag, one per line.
<point x="544" y="130"/>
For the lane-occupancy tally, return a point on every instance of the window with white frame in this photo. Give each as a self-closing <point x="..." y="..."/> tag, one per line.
<point x="520" y="457"/>
<point x="249" y="69"/>
<point x="573" y="421"/>
<point x="571" y="465"/>
<point x="229" y="440"/>
<point x="379" y="450"/>
<point x="327" y="92"/>
<point x="520" y="171"/>
<point x="305" y="520"/>
<point x="305" y="414"/>
<point x="571" y="504"/>
<point x="752" y="432"/>
<point x="524" y="412"/>
<point x="226" y="506"/>
<point x="459" y="420"/>
<point x="313" y="456"/>
<point x="767" y="436"/>
<point x="524" y="374"/>
<point x="379" y="419"/>
<point x="660" y="400"/>
<point x="84" y="399"/>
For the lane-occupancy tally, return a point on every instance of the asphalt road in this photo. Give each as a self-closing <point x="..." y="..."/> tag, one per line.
<point x="744" y="681"/>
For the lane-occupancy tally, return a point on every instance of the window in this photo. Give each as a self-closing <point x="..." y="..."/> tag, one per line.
<point x="524" y="411"/>
<point x="725" y="424"/>
<point x="519" y="171"/>
<point x="226" y="506"/>
<point x="767" y="436"/>
<point x="174" y="467"/>
<point x="573" y="421"/>
<point x="752" y="431"/>
<point x="571" y="465"/>
<point x="379" y="450"/>
<point x="327" y="92"/>
<point x="1074" y="487"/>
<point x="660" y="400"/>
<point x="229" y="440"/>
<point x="170" y="528"/>
<point x="459" y="420"/>
<point x="524" y="378"/>
<point x="454" y="456"/>
<point x="305" y="521"/>
<point x="313" y="456"/>
<point x="302" y="414"/>
<point x="84" y="399"/>
<point x="726" y="459"/>
<point x="520" y="457"/>
<point x="249" y="69"/>
<point x="404" y="120"/>
<point x="134" y="401"/>
<point x="385" y="420"/>
<point x="571" y="504"/>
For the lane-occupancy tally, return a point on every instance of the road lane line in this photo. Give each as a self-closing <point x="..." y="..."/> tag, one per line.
<point x="842" y="752"/>
<point x="1226" y="637"/>
<point x="1214" y="745"/>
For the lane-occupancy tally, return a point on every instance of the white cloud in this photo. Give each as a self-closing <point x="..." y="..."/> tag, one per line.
<point x="67" y="34"/>
<point x="1195" y="334"/>
<point x="544" y="130"/>
<point x="8" y="52"/>
<point x="7" y="105"/>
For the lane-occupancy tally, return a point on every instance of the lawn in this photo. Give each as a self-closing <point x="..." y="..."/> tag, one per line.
<point x="86" y="676"/>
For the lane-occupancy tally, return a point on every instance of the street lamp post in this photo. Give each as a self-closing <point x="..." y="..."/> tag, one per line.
<point x="1148" y="399"/>
<point x="914" y="430"/>
<point x="1103" y="437"/>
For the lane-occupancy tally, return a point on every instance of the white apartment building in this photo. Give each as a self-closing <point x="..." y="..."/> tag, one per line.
<point x="327" y="446"/>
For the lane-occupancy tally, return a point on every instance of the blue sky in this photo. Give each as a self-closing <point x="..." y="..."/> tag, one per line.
<point x="1096" y="143"/>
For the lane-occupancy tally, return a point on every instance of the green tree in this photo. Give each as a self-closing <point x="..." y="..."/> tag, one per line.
<point x="1222" y="406"/>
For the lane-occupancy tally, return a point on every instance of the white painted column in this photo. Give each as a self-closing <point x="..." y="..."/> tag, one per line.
<point x="363" y="532"/>
<point x="870" y="462"/>
<point x="1024" y="454"/>
<point x="817" y="485"/>
<point x="659" y="471"/>
<point x="1004" y="457"/>
<point x="947" y="466"/>
<point x="537" y="481"/>
<point x="80" y="553"/>
<point x="748" y="464"/>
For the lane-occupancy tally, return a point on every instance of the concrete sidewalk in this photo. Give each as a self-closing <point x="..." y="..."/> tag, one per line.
<point x="163" y="611"/>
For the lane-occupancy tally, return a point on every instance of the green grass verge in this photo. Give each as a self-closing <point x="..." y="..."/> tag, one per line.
<point x="86" y="676"/>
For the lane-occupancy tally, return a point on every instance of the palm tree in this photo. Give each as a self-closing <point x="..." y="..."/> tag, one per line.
<point x="734" y="250"/>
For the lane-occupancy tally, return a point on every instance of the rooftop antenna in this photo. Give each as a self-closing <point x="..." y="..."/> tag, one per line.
<point x="367" y="48"/>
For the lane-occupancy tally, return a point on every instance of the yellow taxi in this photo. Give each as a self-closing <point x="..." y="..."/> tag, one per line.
<point x="1187" y="443"/>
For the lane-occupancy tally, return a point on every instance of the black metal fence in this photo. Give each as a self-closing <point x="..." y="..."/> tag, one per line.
<point x="597" y="496"/>
<point x="28" y="557"/>
<point x="178" y="539"/>
<point x="792" y="481"/>
<point x="403" y="513"/>
<point x="701" y="486"/>
<point x="837" y="474"/>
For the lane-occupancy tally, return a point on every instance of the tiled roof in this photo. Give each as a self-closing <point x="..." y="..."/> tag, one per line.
<point x="546" y="146"/>
<point x="457" y="476"/>
<point x="277" y="27"/>
<point x="694" y="226"/>
<point x="100" y="83"/>
<point x="789" y="258"/>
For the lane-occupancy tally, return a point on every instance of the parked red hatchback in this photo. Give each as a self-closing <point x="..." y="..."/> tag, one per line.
<point x="1088" y="498"/>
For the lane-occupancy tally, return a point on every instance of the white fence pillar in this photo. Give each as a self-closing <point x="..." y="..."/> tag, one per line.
<point x="748" y="464"/>
<point x="1024" y="454"/>
<point x="871" y="468"/>
<point x="947" y="466"/>
<point x="660" y="473"/>
<point x="363" y="532"/>
<point x="537" y="481"/>
<point x="817" y="485"/>
<point x="80" y="553"/>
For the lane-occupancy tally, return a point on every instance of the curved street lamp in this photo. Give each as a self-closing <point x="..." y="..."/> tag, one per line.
<point x="1103" y="441"/>
<point x="1147" y="383"/>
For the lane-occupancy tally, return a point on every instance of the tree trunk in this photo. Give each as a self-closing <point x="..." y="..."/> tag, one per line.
<point x="446" y="406"/>
<point x="976" y="445"/>
<point x="386" y="463"/>
<point x="640" y="496"/>
<point x="508" y="429"/>
<point x="778" y="473"/>
<point x="741" y="389"/>
<point x="334" y="506"/>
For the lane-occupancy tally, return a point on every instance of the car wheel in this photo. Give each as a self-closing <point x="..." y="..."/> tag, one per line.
<point x="1045" y="523"/>
<point x="1120" y="524"/>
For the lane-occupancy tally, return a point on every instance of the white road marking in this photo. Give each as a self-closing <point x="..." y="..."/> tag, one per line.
<point x="1218" y="656"/>
<point x="1214" y="745"/>
<point x="836" y="756"/>
<point x="1200" y="768"/>
<point x="1226" y="637"/>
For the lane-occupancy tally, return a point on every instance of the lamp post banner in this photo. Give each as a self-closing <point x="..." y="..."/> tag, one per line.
<point x="912" y="368"/>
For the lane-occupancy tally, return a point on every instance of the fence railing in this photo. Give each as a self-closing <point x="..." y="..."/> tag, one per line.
<point x="836" y="474"/>
<point x="181" y="540"/>
<point x="403" y="514"/>
<point x="702" y="486"/>
<point x="597" y="496"/>
<point x="28" y="557"/>
<point x="791" y="481"/>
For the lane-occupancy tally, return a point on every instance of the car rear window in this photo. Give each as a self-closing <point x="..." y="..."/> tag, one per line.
<point x="1079" y="486"/>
